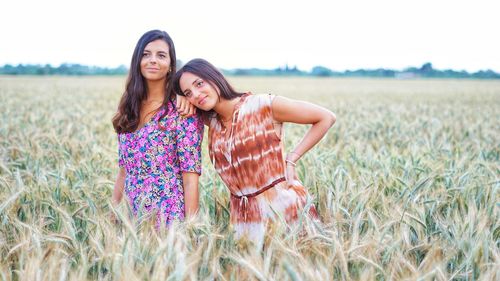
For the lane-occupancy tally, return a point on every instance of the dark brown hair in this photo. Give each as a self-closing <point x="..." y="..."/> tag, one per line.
<point x="127" y="117"/>
<point x="210" y="74"/>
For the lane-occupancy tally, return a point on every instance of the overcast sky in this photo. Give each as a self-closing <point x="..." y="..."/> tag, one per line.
<point x="341" y="35"/>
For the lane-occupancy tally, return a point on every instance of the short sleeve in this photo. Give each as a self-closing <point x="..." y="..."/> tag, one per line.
<point x="189" y="135"/>
<point x="121" y="154"/>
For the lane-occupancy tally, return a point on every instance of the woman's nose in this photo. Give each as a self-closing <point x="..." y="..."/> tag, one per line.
<point x="195" y="94"/>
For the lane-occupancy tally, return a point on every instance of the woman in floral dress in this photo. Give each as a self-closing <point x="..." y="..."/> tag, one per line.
<point x="159" y="151"/>
<point x="246" y="147"/>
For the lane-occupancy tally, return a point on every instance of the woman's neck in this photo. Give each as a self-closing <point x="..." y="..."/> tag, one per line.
<point x="225" y="108"/>
<point x="156" y="90"/>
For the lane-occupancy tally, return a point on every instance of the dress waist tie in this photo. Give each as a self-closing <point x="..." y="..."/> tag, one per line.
<point x="244" y="198"/>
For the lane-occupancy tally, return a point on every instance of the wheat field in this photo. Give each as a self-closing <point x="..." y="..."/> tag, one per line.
<point x="406" y="183"/>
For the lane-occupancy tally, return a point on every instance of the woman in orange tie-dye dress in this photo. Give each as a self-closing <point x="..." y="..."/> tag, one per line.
<point x="246" y="147"/>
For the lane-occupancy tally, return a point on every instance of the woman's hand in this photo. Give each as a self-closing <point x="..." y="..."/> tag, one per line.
<point x="184" y="107"/>
<point x="291" y="175"/>
<point x="113" y="218"/>
<point x="290" y="172"/>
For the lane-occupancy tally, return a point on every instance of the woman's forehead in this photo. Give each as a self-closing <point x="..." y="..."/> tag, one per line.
<point x="157" y="45"/>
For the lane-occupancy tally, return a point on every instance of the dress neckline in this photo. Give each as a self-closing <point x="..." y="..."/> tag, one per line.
<point x="226" y="135"/>
<point x="153" y="118"/>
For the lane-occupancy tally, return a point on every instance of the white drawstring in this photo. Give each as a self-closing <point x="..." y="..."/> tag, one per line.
<point x="244" y="206"/>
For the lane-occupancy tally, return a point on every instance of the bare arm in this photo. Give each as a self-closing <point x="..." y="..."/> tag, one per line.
<point x="300" y="112"/>
<point x="191" y="194"/>
<point x="119" y="187"/>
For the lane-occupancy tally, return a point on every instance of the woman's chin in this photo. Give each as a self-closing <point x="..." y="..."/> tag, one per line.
<point x="204" y="108"/>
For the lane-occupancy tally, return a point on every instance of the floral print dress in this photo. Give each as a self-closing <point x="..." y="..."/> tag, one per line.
<point x="154" y="159"/>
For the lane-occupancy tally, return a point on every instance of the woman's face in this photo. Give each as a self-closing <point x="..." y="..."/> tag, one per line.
<point x="198" y="91"/>
<point x="155" y="61"/>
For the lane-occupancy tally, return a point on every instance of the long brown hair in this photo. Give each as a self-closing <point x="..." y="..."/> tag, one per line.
<point x="210" y="74"/>
<point x="127" y="117"/>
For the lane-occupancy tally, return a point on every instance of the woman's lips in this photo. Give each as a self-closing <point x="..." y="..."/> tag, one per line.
<point x="202" y="101"/>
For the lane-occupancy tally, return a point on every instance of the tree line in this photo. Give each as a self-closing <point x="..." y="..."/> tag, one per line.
<point x="63" y="69"/>
<point x="425" y="71"/>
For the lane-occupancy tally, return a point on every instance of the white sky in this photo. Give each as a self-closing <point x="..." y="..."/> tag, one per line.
<point x="340" y="35"/>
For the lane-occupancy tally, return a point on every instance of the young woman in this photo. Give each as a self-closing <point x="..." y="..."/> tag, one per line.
<point x="246" y="148"/>
<point x="159" y="151"/>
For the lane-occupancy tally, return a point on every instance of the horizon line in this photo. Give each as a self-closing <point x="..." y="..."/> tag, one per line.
<point x="286" y="66"/>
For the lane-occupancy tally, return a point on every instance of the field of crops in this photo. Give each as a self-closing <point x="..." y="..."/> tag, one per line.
<point x="407" y="184"/>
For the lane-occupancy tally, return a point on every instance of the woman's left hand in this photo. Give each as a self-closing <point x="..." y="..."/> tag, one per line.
<point x="184" y="107"/>
<point x="290" y="175"/>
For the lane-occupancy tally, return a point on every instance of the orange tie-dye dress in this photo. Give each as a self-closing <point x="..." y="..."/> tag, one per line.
<point x="248" y="156"/>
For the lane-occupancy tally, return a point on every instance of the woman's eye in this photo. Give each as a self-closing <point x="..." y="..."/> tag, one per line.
<point x="188" y="94"/>
<point x="199" y="84"/>
<point x="145" y="54"/>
